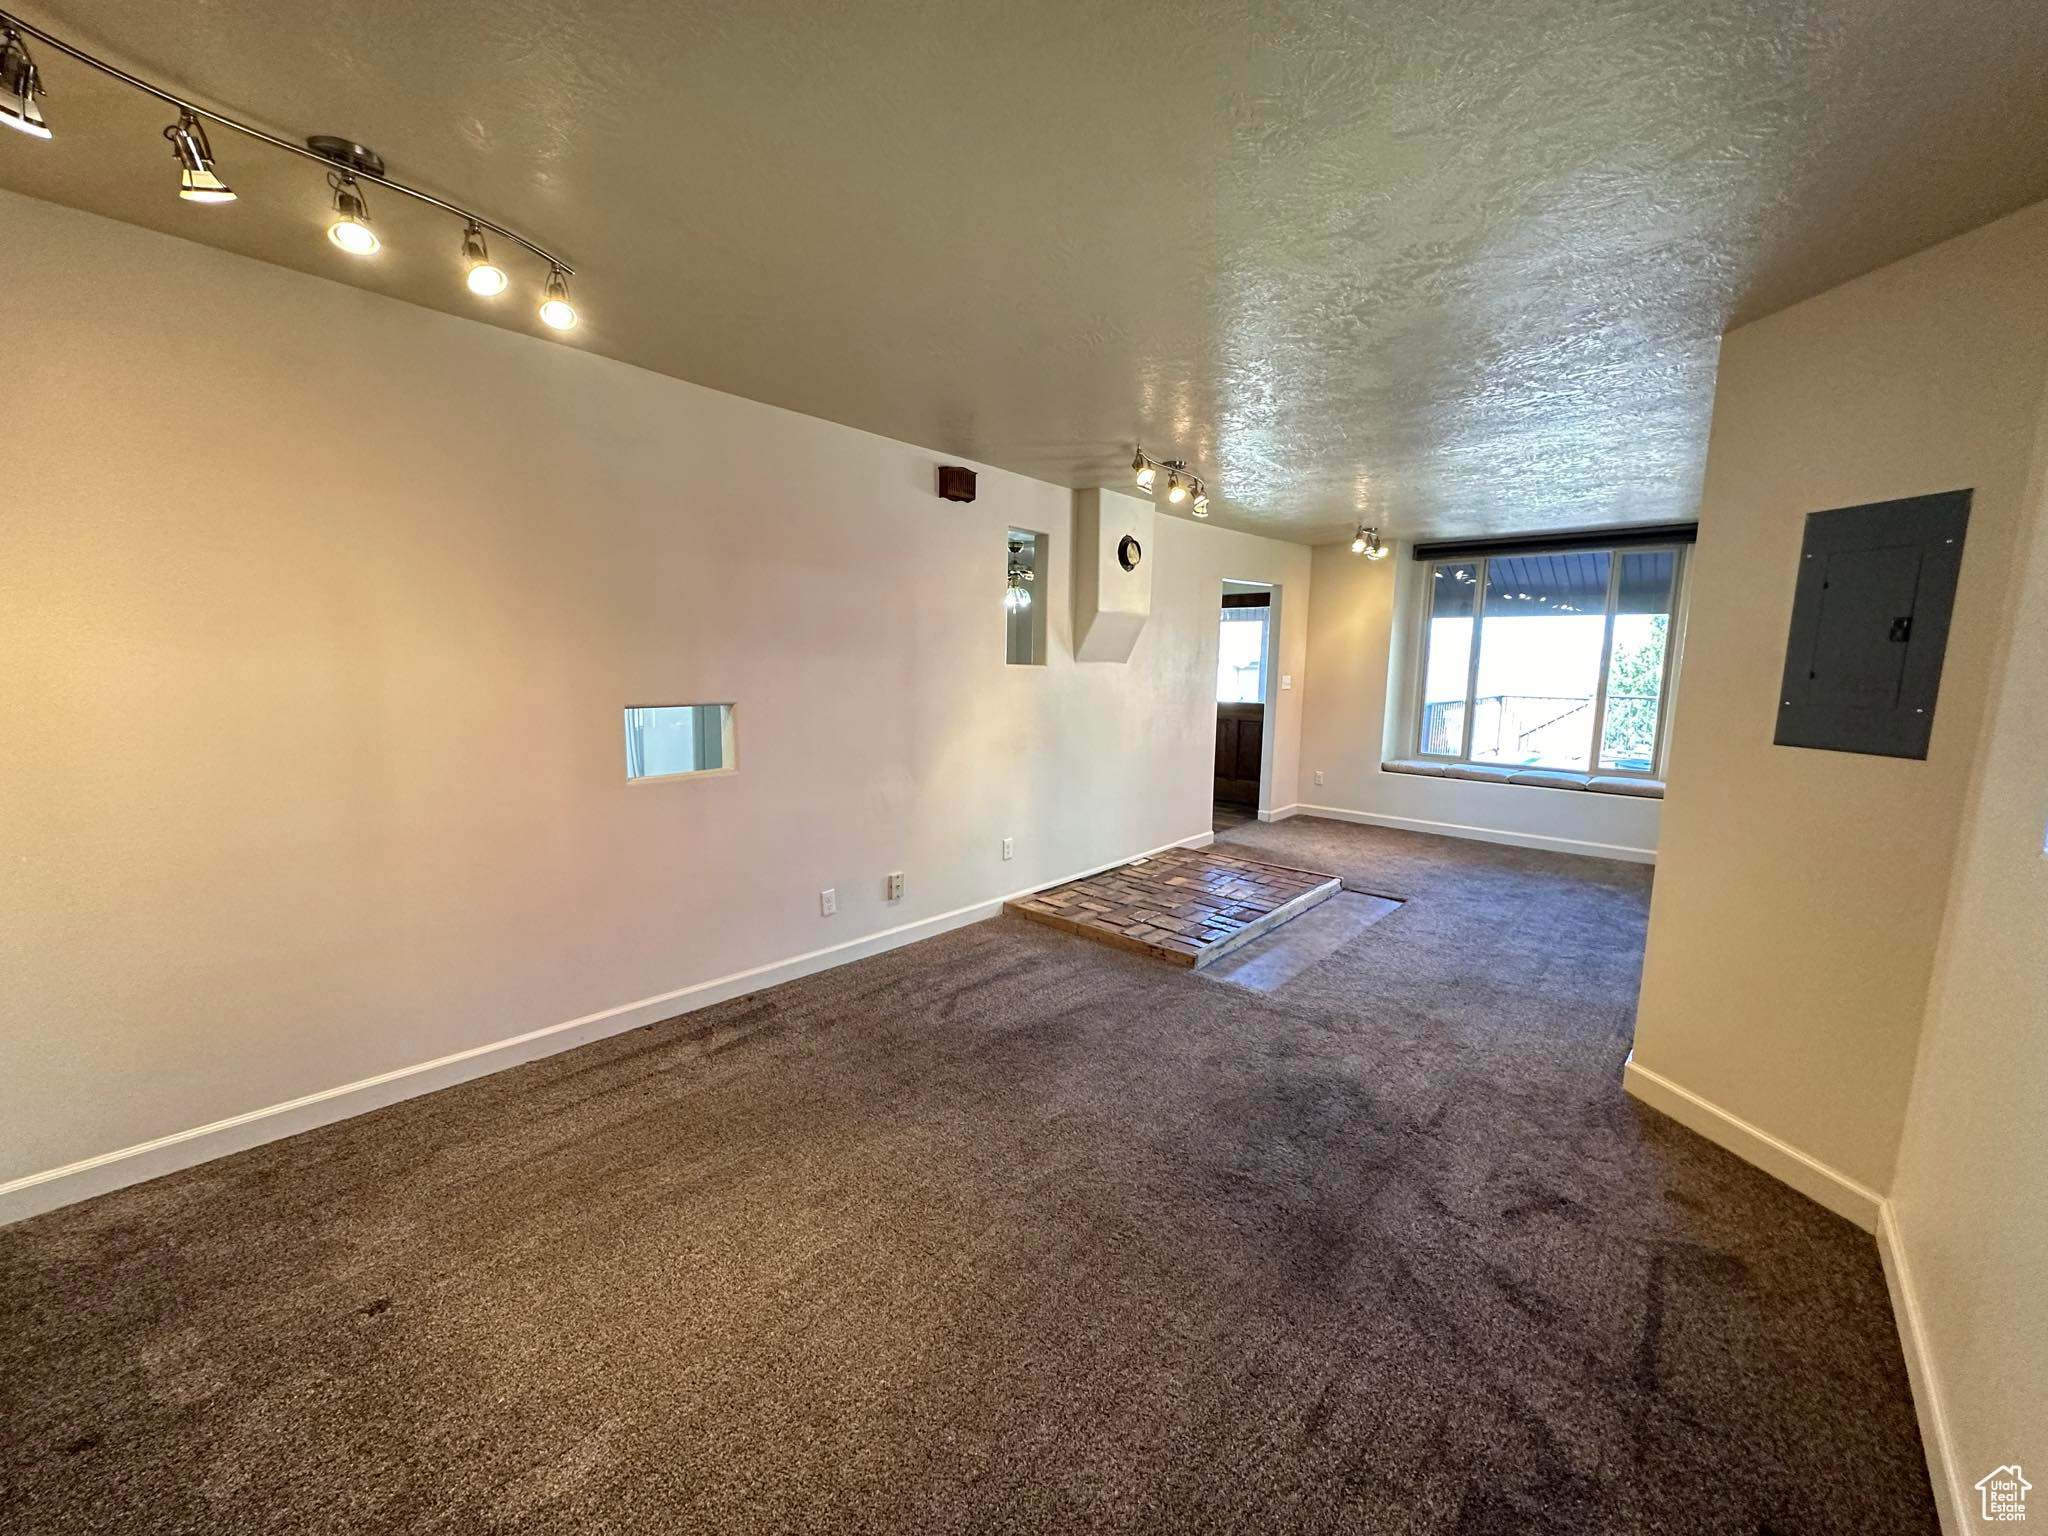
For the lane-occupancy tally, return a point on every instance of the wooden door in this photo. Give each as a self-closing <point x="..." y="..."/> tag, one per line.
<point x="1240" y="743"/>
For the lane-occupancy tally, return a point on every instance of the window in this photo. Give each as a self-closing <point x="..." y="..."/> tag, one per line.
<point x="1241" y="655"/>
<point x="1548" y="660"/>
<point x="665" y="741"/>
<point x="1023" y="602"/>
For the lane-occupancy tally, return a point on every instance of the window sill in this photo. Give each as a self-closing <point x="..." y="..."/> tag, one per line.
<point x="1529" y="778"/>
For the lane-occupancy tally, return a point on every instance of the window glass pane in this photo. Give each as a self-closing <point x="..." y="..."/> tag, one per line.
<point x="1447" y="666"/>
<point x="678" y="738"/>
<point x="1635" y="675"/>
<point x="1541" y="635"/>
<point x="1241" y="656"/>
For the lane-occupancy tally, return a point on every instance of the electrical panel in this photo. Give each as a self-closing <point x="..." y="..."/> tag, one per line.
<point x="1870" y="621"/>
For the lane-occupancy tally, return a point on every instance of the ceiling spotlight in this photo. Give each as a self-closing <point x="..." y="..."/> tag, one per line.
<point x="197" y="182"/>
<point x="1175" y="491"/>
<point x="1144" y="469"/>
<point x="351" y="227"/>
<point x="19" y="88"/>
<point x="1201" y="508"/>
<point x="555" y="308"/>
<point x="1366" y="542"/>
<point x="485" y="278"/>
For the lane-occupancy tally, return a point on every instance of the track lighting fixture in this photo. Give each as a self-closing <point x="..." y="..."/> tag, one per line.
<point x="197" y="181"/>
<point x="555" y="308"/>
<point x="348" y="166"/>
<point x="1366" y="542"/>
<point x="1180" y="485"/>
<point x="485" y="279"/>
<point x="20" y="85"/>
<point x="351" y="227"/>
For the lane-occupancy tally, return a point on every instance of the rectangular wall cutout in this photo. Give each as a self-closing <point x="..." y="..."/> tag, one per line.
<point x="668" y="741"/>
<point x="1024" y="600"/>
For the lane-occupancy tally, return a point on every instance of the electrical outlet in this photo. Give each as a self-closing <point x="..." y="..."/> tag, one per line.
<point x="896" y="886"/>
<point x="1009" y="846"/>
<point x="1319" y="776"/>
<point x="828" y="902"/>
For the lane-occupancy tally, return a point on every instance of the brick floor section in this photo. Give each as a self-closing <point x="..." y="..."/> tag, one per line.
<point x="1187" y="905"/>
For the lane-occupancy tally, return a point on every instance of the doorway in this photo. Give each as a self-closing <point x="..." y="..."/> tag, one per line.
<point x="1244" y="655"/>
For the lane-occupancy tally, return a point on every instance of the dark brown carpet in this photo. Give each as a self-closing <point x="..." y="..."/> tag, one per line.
<point x="1003" y="1232"/>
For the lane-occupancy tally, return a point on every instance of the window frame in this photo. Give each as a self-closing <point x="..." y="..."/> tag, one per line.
<point x="1412" y="727"/>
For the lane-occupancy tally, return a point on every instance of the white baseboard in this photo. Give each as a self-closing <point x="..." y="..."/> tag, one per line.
<point x="32" y="1194"/>
<point x="1780" y="1159"/>
<point x="1951" y="1498"/>
<point x="1479" y="834"/>
<point x="1279" y="813"/>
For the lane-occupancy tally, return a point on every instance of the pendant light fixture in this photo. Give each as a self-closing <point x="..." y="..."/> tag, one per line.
<point x="485" y="278"/>
<point x="348" y="166"/>
<point x="197" y="180"/>
<point x="351" y="227"/>
<point x="20" y="85"/>
<point x="1017" y="595"/>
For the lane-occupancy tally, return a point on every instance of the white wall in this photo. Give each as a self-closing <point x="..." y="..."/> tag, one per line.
<point x="1800" y="893"/>
<point x="320" y="612"/>
<point x="1968" y="1202"/>
<point x="1360" y="658"/>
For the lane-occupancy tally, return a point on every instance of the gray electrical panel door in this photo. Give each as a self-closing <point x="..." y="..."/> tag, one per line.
<point x="1870" y="624"/>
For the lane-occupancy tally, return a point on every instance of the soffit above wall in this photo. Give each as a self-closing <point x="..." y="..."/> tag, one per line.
<point x="1452" y="269"/>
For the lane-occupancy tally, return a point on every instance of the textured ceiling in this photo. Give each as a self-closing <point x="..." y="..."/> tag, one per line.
<point x="1459" y="266"/>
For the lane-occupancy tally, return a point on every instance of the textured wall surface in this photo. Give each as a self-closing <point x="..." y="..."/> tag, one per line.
<point x="1457" y="266"/>
<point x="311" y="750"/>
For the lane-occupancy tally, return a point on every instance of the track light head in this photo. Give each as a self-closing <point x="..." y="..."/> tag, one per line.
<point x="1176" y="492"/>
<point x="1201" y="506"/>
<point x="555" y="308"/>
<point x="20" y="85"/>
<point x="1366" y="542"/>
<point x="197" y="181"/>
<point x="485" y="278"/>
<point x="351" y="227"/>
<point x="1144" y="469"/>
